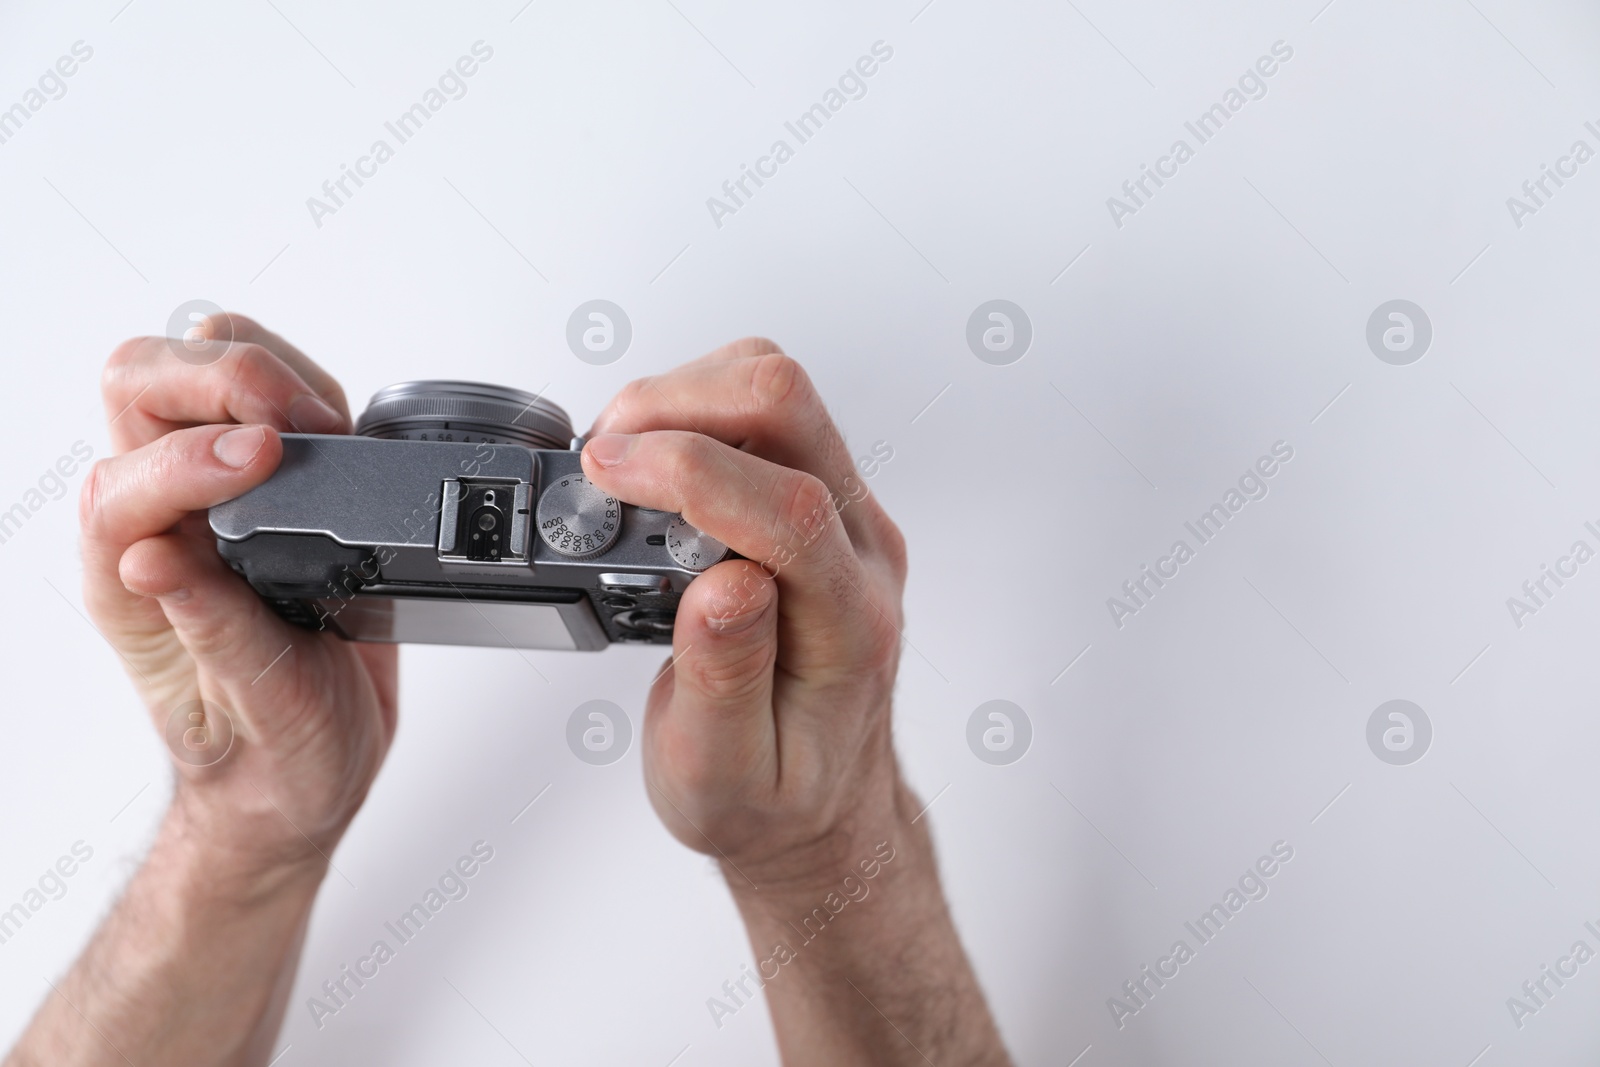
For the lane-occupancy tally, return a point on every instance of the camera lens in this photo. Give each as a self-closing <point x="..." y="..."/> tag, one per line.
<point x="464" y="412"/>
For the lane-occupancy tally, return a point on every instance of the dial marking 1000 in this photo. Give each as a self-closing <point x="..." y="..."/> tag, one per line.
<point x="578" y="519"/>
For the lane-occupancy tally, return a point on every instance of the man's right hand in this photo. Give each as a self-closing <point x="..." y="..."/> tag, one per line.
<point x="768" y="740"/>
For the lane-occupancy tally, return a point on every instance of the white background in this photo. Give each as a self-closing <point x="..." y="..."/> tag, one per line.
<point x="1223" y="317"/>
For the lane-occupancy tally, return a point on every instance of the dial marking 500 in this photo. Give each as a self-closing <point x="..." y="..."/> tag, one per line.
<point x="578" y="519"/>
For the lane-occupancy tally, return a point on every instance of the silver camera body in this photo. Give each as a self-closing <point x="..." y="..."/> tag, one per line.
<point x="458" y="514"/>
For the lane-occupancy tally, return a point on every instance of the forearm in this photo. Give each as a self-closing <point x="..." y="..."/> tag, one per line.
<point x="194" y="965"/>
<point x="862" y="965"/>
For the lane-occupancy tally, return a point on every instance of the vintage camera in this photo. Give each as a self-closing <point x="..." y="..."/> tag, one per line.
<point x="459" y="514"/>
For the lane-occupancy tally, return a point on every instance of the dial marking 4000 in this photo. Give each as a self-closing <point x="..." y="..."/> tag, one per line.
<point x="578" y="519"/>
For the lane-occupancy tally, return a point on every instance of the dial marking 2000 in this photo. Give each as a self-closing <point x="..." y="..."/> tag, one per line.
<point x="578" y="519"/>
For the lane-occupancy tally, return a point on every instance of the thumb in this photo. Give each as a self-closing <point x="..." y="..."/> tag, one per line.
<point x="716" y="725"/>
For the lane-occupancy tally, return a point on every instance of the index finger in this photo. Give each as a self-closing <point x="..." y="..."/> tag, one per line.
<point x="250" y="331"/>
<point x="762" y="402"/>
<point x="781" y="518"/>
<point x="254" y="376"/>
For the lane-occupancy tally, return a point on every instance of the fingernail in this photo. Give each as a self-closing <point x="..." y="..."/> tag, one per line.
<point x="735" y="616"/>
<point x="309" y="414"/>
<point x="609" y="449"/>
<point x="238" y="447"/>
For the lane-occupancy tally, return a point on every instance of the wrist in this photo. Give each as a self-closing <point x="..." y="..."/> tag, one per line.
<point x="879" y="841"/>
<point x="226" y="860"/>
<point x="856" y="952"/>
<point x="194" y="962"/>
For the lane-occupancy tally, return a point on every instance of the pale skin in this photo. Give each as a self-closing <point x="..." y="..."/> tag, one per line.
<point x="766" y="744"/>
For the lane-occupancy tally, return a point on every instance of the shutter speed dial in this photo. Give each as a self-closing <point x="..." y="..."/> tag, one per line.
<point x="692" y="549"/>
<point x="577" y="519"/>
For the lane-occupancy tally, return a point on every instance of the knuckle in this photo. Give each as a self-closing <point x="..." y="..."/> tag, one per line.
<point x="755" y="346"/>
<point x="695" y="773"/>
<point x="737" y="675"/>
<point x="892" y="543"/>
<point x="126" y="353"/>
<point x="625" y="411"/>
<point x="242" y="325"/>
<point x="91" y="498"/>
<point x="882" y="638"/>
<point x="258" y="376"/>
<point x="123" y="363"/>
<point x="696" y="455"/>
<point x="252" y="362"/>
<point x="630" y="399"/>
<point x="173" y="450"/>
<point x="335" y="396"/>
<point x="777" y="381"/>
<point x="807" y="502"/>
<point x="165" y="461"/>
<point x="112" y="479"/>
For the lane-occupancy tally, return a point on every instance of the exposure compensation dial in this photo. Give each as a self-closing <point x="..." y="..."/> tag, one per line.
<point x="692" y="549"/>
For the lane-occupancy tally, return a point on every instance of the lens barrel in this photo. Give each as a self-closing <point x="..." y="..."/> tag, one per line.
<point x="464" y="411"/>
